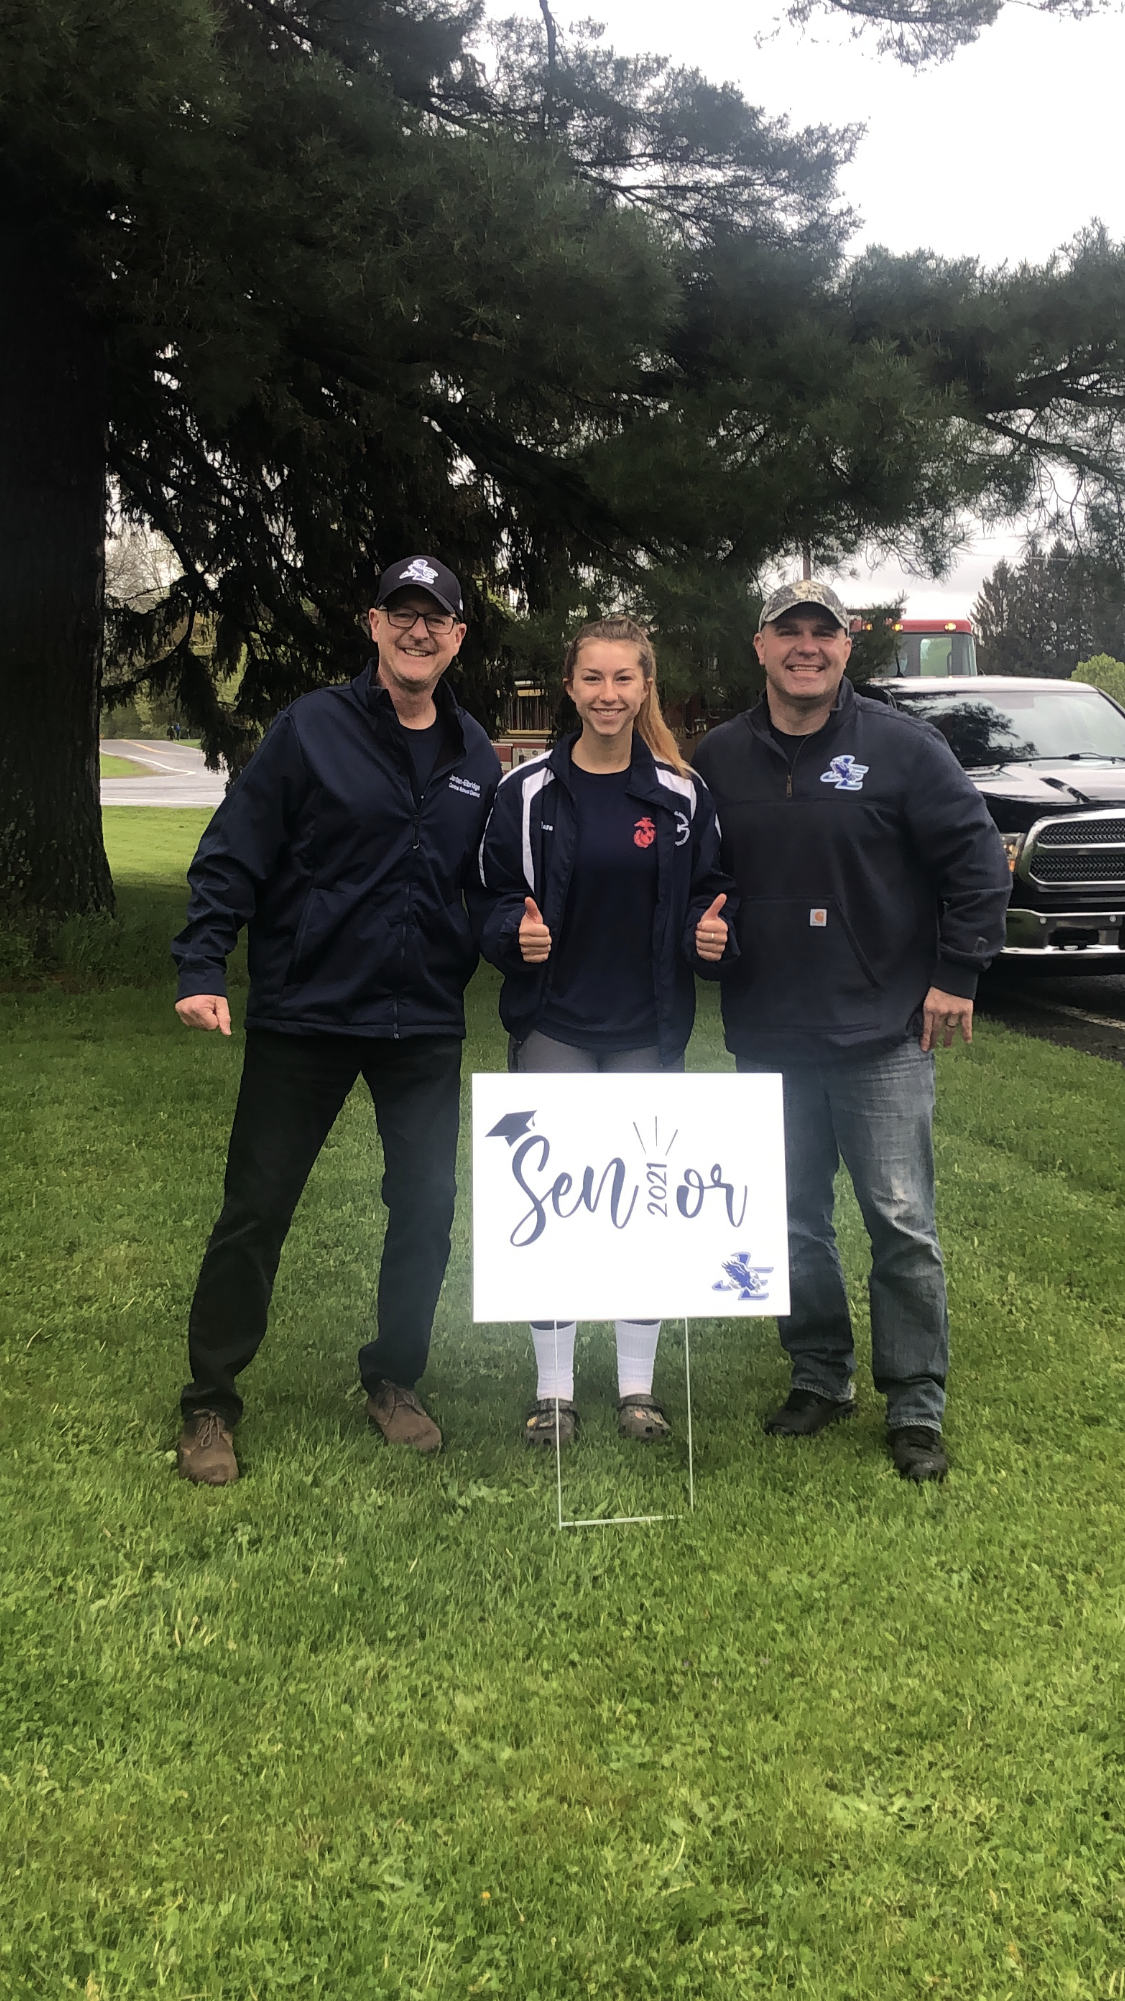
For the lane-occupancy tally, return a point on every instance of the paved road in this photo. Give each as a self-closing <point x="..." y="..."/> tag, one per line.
<point x="179" y="775"/>
<point x="1086" y="1014"/>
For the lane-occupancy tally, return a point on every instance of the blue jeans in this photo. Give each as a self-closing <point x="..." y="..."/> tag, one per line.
<point x="877" y="1114"/>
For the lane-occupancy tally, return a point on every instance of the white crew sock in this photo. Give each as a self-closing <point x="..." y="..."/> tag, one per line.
<point x="636" y="1356"/>
<point x="551" y="1338"/>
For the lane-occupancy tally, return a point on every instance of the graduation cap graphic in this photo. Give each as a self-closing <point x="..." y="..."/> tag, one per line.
<point x="511" y="1127"/>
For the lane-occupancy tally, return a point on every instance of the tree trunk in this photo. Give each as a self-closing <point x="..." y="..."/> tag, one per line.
<point x="53" y="403"/>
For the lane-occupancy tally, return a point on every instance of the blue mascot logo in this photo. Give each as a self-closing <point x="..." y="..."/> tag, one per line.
<point x="747" y="1280"/>
<point x="845" y="774"/>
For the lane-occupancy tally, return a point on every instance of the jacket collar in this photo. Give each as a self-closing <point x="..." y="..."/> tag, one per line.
<point x="643" y="781"/>
<point x="377" y="701"/>
<point x="759" y="716"/>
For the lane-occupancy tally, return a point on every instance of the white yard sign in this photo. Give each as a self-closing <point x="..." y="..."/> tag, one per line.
<point x="639" y="1197"/>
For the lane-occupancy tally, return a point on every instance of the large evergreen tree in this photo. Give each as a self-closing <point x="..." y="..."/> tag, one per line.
<point x="312" y="285"/>
<point x="311" y="289"/>
<point x="300" y="320"/>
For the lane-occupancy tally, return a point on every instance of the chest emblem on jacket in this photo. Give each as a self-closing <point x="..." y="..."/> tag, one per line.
<point x="845" y="774"/>
<point x="644" y="833"/>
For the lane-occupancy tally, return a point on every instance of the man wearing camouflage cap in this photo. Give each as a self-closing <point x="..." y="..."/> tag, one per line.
<point x="872" y="887"/>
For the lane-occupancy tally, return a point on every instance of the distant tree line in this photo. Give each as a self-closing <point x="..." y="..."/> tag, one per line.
<point x="1058" y="605"/>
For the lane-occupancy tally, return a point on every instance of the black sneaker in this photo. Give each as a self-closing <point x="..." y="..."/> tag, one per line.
<point x="803" y="1413"/>
<point x="918" y="1452"/>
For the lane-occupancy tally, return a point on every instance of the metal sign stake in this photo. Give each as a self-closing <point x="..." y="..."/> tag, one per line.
<point x="619" y="1521"/>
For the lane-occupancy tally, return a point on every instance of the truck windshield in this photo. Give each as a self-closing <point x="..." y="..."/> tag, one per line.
<point x="1052" y="723"/>
<point x="935" y="655"/>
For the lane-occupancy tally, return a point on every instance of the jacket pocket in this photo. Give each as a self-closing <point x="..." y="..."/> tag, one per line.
<point x="450" y="939"/>
<point x="304" y="942"/>
<point x="346" y="954"/>
<point x="802" y="968"/>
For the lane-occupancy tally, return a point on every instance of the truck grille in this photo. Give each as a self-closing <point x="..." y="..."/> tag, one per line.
<point x="1074" y="867"/>
<point x="1080" y="848"/>
<point x="1062" y="833"/>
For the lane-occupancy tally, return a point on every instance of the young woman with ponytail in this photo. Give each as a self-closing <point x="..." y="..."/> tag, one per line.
<point x="602" y="859"/>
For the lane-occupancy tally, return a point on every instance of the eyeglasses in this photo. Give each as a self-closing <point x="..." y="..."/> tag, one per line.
<point x="439" y="624"/>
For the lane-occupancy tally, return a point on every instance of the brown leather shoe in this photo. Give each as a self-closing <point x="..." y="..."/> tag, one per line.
<point x="401" y="1419"/>
<point x="205" y="1452"/>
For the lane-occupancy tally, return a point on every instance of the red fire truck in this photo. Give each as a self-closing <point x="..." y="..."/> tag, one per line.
<point x="936" y="647"/>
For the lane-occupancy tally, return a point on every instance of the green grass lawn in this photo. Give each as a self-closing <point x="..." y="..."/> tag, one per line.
<point x="123" y="767"/>
<point x="363" y="1726"/>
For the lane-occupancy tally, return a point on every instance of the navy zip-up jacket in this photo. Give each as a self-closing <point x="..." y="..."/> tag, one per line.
<point x="868" y="873"/>
<point x="351" y="885"/>
<point x="528" y="850"/>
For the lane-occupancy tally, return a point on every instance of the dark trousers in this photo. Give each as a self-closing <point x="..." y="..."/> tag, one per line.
<point x="292" y="1089"/>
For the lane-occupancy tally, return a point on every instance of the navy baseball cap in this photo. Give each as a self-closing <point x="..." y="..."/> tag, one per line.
<point x="425" y="573"/>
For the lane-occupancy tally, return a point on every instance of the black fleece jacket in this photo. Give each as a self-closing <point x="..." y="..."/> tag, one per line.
<point x="866" y="874"/>
<point x="528" y="850"/>
<point x="352" y="886"/>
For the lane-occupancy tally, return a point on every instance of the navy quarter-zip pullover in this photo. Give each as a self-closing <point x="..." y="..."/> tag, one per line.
<point x="868" y="870"/>
<point x="350" y="875"/>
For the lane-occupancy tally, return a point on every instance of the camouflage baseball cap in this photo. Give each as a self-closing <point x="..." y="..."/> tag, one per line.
<point x="806" y="591"/>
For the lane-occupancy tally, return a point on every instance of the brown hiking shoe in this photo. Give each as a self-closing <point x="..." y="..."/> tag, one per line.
<point x="205" y="1452"/>
<point x="401" y="1419"/>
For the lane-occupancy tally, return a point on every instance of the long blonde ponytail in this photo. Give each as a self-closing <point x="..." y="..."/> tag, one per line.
<point x="650" y="724"/>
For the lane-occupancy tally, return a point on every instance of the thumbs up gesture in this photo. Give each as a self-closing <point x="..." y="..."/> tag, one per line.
<point x="535" y="939"/>
<point x="711" y="932"/>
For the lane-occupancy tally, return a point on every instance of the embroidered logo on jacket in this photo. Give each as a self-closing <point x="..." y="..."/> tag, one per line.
<point x="683" y="830"/>
<point x="845" y="774"/>
<point x="467" y="785"/>
<point x="644" y="834"/>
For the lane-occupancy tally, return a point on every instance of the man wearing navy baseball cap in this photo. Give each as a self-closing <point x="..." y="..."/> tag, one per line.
<point x="346" y="848"/>
<point x="422" y="573"/>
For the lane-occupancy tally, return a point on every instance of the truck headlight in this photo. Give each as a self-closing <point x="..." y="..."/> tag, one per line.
<point x="1013" y="848"/>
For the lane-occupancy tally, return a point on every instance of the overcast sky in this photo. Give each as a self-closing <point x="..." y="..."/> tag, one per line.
<point x="1003" y="153"/>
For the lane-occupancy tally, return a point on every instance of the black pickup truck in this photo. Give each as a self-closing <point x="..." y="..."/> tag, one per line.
<point x="1049" y="759"/>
